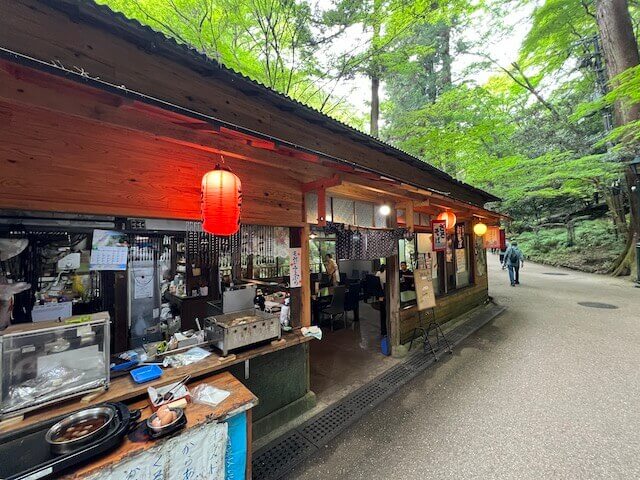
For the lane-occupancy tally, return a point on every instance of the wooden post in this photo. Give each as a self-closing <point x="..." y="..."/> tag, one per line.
<point x="301" y="296"/>
<point x="408" y="215"/>
<point x="392" y="291"/>
<point x="305" y="290"/>
<point x="322" y="207"/>
<point x="393" y="300"/>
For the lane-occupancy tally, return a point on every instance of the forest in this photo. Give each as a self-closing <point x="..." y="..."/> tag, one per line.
<point x="537" y="102"/>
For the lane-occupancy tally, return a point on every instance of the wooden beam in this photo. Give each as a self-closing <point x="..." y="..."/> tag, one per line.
<point x="408" y="213"/>
<point x="321" y="184"/>
<point x="322" y="207"/>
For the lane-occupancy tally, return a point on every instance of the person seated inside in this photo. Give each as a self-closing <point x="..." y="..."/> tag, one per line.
<point x="406" y="278"/>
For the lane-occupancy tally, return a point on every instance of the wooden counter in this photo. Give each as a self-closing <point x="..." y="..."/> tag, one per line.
<point x="240" y="400"/>
<point x="123" y="389"/>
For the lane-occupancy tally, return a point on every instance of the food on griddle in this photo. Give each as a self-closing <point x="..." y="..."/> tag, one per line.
<point x="241" y="321"/>
<point x="80" y="429"/>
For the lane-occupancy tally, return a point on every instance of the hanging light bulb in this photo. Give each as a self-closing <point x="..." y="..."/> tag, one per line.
<point x="480" y="229"/>
<point x="385" y="210"/>
<point x="221" y="202"/>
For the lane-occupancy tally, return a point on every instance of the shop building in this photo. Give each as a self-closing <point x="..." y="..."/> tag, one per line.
<point x="110" y="126"/>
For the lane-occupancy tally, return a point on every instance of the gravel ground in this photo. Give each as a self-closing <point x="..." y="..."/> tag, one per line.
<point x="550" y="389"/>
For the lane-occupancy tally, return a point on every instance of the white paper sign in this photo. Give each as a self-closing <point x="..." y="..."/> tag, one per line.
<point x="295" y="267"/>
<point x="143" y="282"/>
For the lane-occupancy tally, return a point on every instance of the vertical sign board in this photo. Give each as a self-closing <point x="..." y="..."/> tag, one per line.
<point x="503" y="239"/>
<point x="439" y="229"/>
<point x="295" y="267"/>
<point x="492" y="238"/>
<point x="458" y="243"/>
<point x="425" y="294"/>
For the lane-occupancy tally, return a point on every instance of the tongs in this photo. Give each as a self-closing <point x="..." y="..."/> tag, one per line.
<point x="168" y="396"/>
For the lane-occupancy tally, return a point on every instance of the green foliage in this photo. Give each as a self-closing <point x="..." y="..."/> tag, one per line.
<point x="596" y="246"/>
<point x="269" y="41"/>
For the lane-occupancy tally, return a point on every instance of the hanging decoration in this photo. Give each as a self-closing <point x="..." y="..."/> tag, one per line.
<point x="357" y="243"/>
<point x="221" y="202"/>
<point x="480" y="229"/>
<point x="449" y="217"/>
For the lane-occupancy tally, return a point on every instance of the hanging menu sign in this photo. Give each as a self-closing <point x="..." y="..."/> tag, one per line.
<point x="459" y="239"/>
<point x="439" y="229"/>
<point x="295" y="267"/>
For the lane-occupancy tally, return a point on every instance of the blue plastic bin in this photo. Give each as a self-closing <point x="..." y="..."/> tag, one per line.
<point x="146" y="373"/>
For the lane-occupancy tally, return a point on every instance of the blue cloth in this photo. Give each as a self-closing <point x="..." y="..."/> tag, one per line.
<point x="236" y="456"/>
<point x="507" y="257"/>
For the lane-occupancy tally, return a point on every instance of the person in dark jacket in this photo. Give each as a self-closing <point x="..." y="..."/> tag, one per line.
<point x="513" y="260"/>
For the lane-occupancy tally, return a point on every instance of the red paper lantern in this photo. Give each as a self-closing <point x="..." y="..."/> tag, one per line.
<point x="448" y="217"/>
<point x="221" y="202"/>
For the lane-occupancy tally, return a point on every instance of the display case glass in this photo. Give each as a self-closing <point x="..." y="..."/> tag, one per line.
<point x="41" y="363"/>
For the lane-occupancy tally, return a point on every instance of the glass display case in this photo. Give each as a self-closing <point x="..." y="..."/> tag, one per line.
<point x="41" y="363"/>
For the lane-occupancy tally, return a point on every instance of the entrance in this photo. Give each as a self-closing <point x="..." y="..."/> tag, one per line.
<point x="351" y="316"/>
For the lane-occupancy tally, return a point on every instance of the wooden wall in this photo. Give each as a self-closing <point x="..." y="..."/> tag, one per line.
<point x="56" y="162"/>
<point x="448" y="307"/>
<point x="79" y="36"/>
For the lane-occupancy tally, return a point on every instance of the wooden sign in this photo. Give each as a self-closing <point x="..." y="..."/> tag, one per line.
<point x="439" y="230"/>
<point x="425" y="294"/>
<point x="295" y="267"/>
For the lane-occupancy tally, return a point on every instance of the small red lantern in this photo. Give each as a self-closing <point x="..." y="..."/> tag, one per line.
<point x="448" y="217"/>
<point x="221" y="202"/>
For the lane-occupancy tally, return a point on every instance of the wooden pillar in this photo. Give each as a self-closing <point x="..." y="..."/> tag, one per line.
<point x="393" y="300"/>
<point x="301" y="296"/>
<point x="392" y="290"/>
<point x="305" y="310"/>
<point x="408" y="215"/>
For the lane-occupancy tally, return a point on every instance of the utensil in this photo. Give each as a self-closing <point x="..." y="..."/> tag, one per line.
<point x="55" y="435"/>
<point x="169" y="395"/>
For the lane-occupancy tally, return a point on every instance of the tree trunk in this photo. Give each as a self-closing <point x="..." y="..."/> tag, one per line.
<point x="620" y="50"/>
<point x="375" y="105"/>
<point x="445" y="53"/>
<point x="375" y="68"/>
<point x="616" y="208"/>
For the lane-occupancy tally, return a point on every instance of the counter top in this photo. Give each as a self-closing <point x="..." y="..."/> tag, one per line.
<point x="241" y="399"/>
<point x="124" y="389"/>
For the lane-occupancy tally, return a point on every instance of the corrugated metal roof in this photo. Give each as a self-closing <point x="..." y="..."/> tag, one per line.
<point x="130" y="29"/>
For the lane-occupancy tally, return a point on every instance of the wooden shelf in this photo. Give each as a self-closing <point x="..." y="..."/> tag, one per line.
<point x="123" y="389"/>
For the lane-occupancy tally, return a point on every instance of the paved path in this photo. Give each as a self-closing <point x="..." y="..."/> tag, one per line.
<point x="550" y="389"/>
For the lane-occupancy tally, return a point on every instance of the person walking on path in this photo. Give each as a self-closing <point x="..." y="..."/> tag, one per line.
<point x="513" y="260"/>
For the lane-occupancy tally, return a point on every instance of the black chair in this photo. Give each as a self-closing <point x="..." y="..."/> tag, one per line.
<point x="336" y="308"/>
<point x="325" y="280"/>
<point x="372" y="287"/>
<point x="343" y="278"/>
<point x="352" y="300"/>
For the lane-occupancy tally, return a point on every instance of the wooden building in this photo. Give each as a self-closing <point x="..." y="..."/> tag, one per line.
<point x="100" y="115"/>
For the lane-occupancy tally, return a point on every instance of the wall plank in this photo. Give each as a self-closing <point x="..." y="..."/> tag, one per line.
<point x="55" y="162"/>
